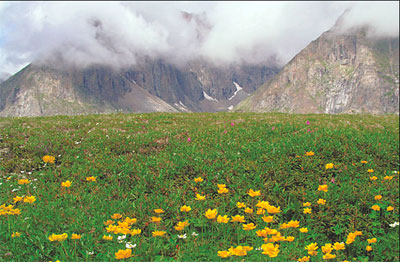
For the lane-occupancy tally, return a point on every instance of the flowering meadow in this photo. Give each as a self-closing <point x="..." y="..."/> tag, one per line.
<point x="199" y="187"/>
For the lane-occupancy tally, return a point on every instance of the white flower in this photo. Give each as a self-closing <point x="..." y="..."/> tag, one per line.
<point x="258" y="248"/>
<point x="184" y="236"/>
<point x="15" y="189"/>
<point x="195" y="234"/>
<point x="394" y="224"/>
<point x="120" y="238"/>
<point x="90" y="252"/>
<point x="129" y="245"/>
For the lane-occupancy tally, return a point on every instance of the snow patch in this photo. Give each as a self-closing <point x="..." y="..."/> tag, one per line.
<point x="181" y="106"/>
<point x="209" y="97"/>
<point x="238" y="88"/>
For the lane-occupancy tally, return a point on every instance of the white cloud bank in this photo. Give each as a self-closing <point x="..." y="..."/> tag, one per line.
<point x="117" y="33"/>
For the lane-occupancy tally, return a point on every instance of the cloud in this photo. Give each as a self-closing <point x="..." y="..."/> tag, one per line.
<point x="120" y="33"/>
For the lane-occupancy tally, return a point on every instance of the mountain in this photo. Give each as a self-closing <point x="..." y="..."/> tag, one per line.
<point x="337" y="73"/>
<point x="150" y="86"/>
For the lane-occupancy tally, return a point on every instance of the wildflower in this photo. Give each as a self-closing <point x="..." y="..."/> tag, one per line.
<point x="121" y="238"/>
<point x="240" y="205"/>
<point x="273" y="210"/>
<point x="388" y="177"/>
<point x="129" y="245"/>
<point x="121" y="254"/>
<point x="91" y="178"/>
<point x="223" y="219"/>
<point x="221" y="185"/>
<point x="195" y="234"/>
<point x="327" y="248"/>
<point x="156" y="219"/>
<point x="59" y="238"/>
<point x="289" y="238"/>
<point x="17" y="199"/>
<point x="321" y="201"/>
<point x="311" y="153"/>
<point x="181" y="225"/>
<point x="268" y="219"/>
<point x="116" y="216"/>
<point x="270" y="249"/>
<point x="159" y="211"/>
<point x="293" y="223"/>
<point x="306" y="204"/>
<point x="23" y="181"/>
<point x="370" y="170"/>
<point x="130" y="220"/>
<point x="238" y="218"/>
<point x="312" y="249"/>
<point x="49" y="159"/>
<point x="390" y="208"/>
<point x="368" y="248"/>
<point x="189" y="139"/>
<point x="303" y="230"/>
<point x="158" y="233"/>
<point x="372" y="240"/>
<point x="29" y="199"/>
<point x="239" y="250"/>
<point x="378" y="197"/>
<point x="211" y="213"/>
<point x="223" y="190"/>
<point x="323" y="188"/>
<point x="338" y="246"/>
<point x="328" y="166"/>
<point x="260" y="211"/>
<point x="200" y="197"/>
<point x="308" y="122"/>
<point x="372" y="178"/>
<point x="109" y="238"/>
<point x="394" y="224"/>
<point x="254" y="193"/>
<point x="328" y="256"/>
<point x="76" y="236"/>
<point x="184" y="236"/>
<point x="185" y="208"/>
<point x="307" y="211"/>
<point x="198" y="179"/>
<point x="304" y="259"/>
<point x="248" y="210"/>
<point x="250" y="226"/>
<point x="364" y="161"/>
<point x="135" y="231"/>
<point x="223" y="253"/>
<point x="66" y="183"/>
<point x="352" y="236"/>
<point x="16" y="234"/>
<point x="376" y="207"/>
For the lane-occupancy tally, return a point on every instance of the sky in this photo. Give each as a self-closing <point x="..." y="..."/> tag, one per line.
<point x="117" y="34"/>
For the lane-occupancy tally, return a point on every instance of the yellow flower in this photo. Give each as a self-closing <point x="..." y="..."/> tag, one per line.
<point x="185" y="208"/>
<point x="238" y="218"/>
<point x="159" y="211"/>
<point x="250" y="226"/>
<point x="306" y="204"/>
<point x="221" y="185"/>
<point x="248" y="210"/>
<point x="49" y="159"/>
<point x="323" y="188"/>
<point x="268" y="219"/>
<point x="370" y="170"/>
<point x="181" y="225"/>
<point x="109" y="238"/>
<point x="91" y="178"/>
<point x="60" y="238"/>
<point x="328" y="166"/>
<point x="17" y="199"/>
<point x="327" y="248"/>
<point x="270" y="249"/>
<point x="108" y="222"/>
<point x="372" y="178"/>
<point x="260" y="211"/>
<point x="223" y="190"/>
<point x="29" y="199"/>
<point x="293" y="223"/>
<point x="304" y="259"/>
<point x="198" y="179"/>
<point x="368" y="248"/>
<point x="123" y="253"/>
<point x="23" y="181"/>
<point x="312" y="249"/>
<point x="364" y="162"/>
<point x="328" y="256"/>
<point x="158" y="233"/>
<point x="254" y="193"/>
<point x="378" y="197"/>
<point x="321" y="201"/>
<point x="76" y="236"/>
<point x="289" y="238"/>
<point x="303" y="230"/>
<point x="116" y="216"/>
<point x="338" y="246"/>
<point x="200" y="197"/>
<point x="223" y="219"/>
<point x="66" y="183"/>
<point x="388" y="177"/>
<point x="223" y="253"/>
<point x="16" y="234"/>
<point x="372" y="240"/>
<point x="130" y="220"/>
<point x="239" y="250"/>
<point x="135" y="231"/>
<point x="273" y="210"/>
<point x="240" y="205"/>
<point x="390" y="208"/>
<point x="211" y="213"/>
<point x="352" y="236"/>
<point x="311" y="153"/>
<point x="156" y="219"/>
<point x="307" y="211"/>
<point x="376" y="207"/>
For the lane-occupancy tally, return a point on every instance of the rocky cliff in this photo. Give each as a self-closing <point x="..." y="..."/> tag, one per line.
<point x="336" y="73"/>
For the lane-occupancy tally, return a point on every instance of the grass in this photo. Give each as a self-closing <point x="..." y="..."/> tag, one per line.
<point x="144" y="162"/>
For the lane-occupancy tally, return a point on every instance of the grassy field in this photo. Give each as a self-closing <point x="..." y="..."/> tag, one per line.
<point x="130" y="186"/>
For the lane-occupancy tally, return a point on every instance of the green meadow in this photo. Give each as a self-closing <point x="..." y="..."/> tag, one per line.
<point x="253" y="187"/>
